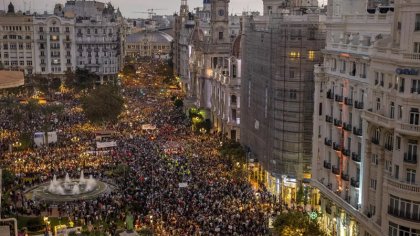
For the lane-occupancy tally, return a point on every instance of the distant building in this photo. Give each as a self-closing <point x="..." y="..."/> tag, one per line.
<point x="149" y="44"/>
<point x="17" y="41"/>
<point x="80" y="34"/>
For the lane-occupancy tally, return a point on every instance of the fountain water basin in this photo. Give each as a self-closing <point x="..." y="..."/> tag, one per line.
<point x="69" y="187"/>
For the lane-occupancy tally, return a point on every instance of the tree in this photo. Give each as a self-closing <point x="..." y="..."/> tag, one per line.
<point x="178" y="103"/>
<point x="103" y="104"/>
<point x="296" y="223"/>
<point x="129" y="70"/>
<point x="234" y="151"/>
<point x="81" y="79"/>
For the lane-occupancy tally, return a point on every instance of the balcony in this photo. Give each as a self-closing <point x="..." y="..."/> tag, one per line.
<point x="389" y="147"/>
<point x="338" y="98"/>
<point x="375" y="141"/>
<point x="328" y="142"/>
<point x="335" y="170"/>
<point x="337" y="146"/>
<point x="412" y="159"/>
<point x="337" y="122"/>
<point x="358" y="105"/>
<point x="327" y="165"/>
<point x="354" y="182"/>
<point x="346" y="152"/>
<point x="399" y="186"/>
<point x="355" y="157"/>
<point x="328" y="119"/>
<point x="345" y="177"/>
<point x="357" y="131"/>
<point x="378" y="119"/>
<point x="347" y="127"/>
<point x="405" y="215"/>
<point x="408" y="129"/>
<point x="348" y="101"/>
<point x="330" y="95"/>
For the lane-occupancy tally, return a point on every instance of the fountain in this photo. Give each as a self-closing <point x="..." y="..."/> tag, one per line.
<point x="71" y="186"/>
<point x="69" y="189"/>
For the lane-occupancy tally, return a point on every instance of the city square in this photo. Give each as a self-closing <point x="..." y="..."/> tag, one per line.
<point x="210" y="117"/>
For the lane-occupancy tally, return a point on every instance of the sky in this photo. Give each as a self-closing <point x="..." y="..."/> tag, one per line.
<point x="129" y="7"/>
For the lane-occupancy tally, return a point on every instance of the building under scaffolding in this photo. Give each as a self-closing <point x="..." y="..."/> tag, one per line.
<point x="279" y="55"/>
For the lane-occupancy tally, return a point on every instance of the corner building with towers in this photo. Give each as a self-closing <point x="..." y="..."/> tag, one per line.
<point x="366" y="120"/>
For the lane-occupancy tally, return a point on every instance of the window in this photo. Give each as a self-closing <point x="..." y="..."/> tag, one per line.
<point x="416" y="47"/>
<point x="397" y="171"/>
<point x="373" y="184"/>
<point x="220" y="35"/>
<point x="311" y="55"/>
<point x="415" y="86"/>
<point x="67" y="30"/>
<point x="399" y="112"/>
<point x="417" y="23"/>
<point x="392" y="229"/>
<point x="374" y="159"/>
<point x="401" y="83"/>
<point x="334" y="64"/>
<point x="388" y="166"/>
<point x="41" y="29"/>
<point x="343" y="66"/>
<point x="378" y="104"/>
<point x="411" y="176"/>
<point x="414" y="116"/>
<point x="398" y="142"/>
<point x="392" y="110"/>
<point x="364" y="69"/>
<point x="353" y="69"/>
<point x="412" y="150"/>
<point x="291" y="74"/>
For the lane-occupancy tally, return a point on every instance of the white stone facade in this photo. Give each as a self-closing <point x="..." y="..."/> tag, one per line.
<point x="17" y="42"/>
<point x="366" y="122"/>
<point x="54" y="45"/>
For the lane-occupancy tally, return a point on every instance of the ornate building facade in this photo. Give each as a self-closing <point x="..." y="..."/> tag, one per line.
<point x="17" y="41"/>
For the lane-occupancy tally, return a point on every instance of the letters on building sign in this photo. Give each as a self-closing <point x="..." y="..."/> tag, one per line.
<point x="401" y="71"/>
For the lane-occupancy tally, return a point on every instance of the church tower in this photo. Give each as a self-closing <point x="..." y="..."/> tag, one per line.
<point x="184" y="8"/>
<point x="220" y="21"/>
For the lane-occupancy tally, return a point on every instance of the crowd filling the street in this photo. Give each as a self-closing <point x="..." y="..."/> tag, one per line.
<point x="172" y="180"/>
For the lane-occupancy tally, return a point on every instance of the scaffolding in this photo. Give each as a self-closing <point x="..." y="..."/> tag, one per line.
<point x="277" y="92"/>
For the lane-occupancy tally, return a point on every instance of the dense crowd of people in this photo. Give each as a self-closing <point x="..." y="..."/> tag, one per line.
<point x="188" y="190"/>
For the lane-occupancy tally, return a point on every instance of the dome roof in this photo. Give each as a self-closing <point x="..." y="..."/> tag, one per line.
<point x="154" y="36"/>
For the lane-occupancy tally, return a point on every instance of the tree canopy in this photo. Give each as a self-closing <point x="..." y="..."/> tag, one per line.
<point x="81" y="79"/>
<point x="103" y="104"/>
<point x="296" y="223"/>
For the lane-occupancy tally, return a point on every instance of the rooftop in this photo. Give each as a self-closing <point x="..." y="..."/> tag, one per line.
<point x="11" y="79"/>
<point x="153" y="36"/>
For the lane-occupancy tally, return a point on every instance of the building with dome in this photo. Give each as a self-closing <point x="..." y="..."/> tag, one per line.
<point x="149" y="44"/>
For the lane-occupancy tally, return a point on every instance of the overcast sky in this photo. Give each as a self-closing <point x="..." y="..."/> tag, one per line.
<point x="128" y="7"/>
